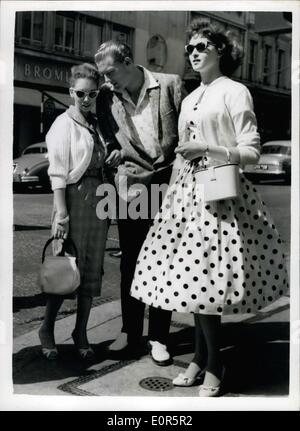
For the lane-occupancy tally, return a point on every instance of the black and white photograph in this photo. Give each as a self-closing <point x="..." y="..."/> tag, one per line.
<point x="150" y="205"/>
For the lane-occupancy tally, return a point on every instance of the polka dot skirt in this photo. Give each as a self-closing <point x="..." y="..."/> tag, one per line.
<point x="224" y="257"/>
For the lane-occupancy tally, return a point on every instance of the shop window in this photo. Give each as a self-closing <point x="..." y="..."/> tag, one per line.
<point x="267" y="64"/>
<point x="92" y="38"/>
<point x="32" y="24"/>
<point x="64" y="33"/>
<point x="252" y="60"/>
<point x="280" y="68"/>
<point x="122" y="34"/>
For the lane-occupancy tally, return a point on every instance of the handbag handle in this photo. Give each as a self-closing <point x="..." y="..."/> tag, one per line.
<point x="227" y="154"/>
<point x="63" y="247"/>
<point x="201" y="159"/>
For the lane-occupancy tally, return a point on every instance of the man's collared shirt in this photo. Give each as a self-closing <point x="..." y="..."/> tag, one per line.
<point x="139" y="117"/>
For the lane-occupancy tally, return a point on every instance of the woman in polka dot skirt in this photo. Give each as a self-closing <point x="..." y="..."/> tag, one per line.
<point x="221" y="257"/>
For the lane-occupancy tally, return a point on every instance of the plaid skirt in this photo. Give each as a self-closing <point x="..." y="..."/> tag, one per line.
<point x="88" y="232"/>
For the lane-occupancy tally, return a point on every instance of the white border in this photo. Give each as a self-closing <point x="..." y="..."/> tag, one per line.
<point x="9" y="401"/>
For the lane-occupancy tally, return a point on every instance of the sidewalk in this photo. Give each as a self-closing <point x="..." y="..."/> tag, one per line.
<point x="257" y="344"/>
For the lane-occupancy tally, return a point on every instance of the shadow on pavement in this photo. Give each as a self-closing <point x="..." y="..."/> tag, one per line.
<point x="39" y="369"/>
<point x="21" y="302"/>
<point x="19" y="227"/>
<point x="256" y="357"/>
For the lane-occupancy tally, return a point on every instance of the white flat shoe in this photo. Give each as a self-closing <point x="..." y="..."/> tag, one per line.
<point x="183" y="380"/>
<point x="159" y="353"/>
<point x="211" y="391"/>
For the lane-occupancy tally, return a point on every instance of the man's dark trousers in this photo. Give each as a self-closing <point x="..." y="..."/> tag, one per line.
<point x="132" y="234"/>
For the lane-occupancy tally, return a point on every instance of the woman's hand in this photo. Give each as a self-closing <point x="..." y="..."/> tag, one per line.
<point x="61" y="231"/>
<point x="191" y="149"/>
<point x="114" y="159"/>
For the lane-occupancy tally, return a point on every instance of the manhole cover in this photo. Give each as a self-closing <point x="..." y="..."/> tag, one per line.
<point x="159" y="384"/>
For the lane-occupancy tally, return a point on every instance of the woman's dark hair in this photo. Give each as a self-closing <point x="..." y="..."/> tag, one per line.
<point x="117" y="50"/>
<point x="226" y="42"/>
<point x="84" y="70"/>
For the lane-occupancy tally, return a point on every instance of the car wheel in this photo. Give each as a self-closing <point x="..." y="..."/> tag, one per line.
<point x="18" y="188"/>
<point x="47" y="187"/>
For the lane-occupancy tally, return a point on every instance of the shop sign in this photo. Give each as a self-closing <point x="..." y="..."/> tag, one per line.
<point x="36" y="71"/>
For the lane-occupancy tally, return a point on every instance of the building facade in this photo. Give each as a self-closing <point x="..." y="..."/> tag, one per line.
<point x="48" y="43"/>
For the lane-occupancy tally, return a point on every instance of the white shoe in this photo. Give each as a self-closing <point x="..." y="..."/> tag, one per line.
<point x="120" y="343"/>
<point x="183" y="380"/>
<point x="212" y="391"/>
<point x="159" y="353"/>
<point x="189" y="377"/>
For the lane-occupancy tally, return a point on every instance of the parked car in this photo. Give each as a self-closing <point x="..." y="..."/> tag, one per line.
<point x="30" y="169"/>
<point x="274" y="163"/>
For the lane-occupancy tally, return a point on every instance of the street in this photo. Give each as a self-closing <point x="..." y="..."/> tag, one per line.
<point x="32" y="213"/>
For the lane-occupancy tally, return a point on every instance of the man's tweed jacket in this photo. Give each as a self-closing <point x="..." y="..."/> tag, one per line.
<point x="165" y="103"/>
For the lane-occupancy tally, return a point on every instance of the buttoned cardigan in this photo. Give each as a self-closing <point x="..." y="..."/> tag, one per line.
<point x="70" y="147"/>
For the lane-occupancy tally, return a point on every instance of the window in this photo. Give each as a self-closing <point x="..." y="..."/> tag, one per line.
<point x="267" y="64"/>
<point x="280" y="68"/>
<point x="276" y="149"/>
<point x="32" y="24"/>
<point x="121" y="34"/>
<point x="92" y="31"/>
<point x="64" y="33"/>
<point x="92" y="38"/>
<point x="252" y="60"/>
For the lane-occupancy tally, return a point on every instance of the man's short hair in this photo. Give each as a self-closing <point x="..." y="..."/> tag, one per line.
<point x="117" y="50"/>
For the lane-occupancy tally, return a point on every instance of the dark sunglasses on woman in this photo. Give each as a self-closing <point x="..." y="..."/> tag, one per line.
<point x="91" y="94"/>
<point x="200" y="47"/>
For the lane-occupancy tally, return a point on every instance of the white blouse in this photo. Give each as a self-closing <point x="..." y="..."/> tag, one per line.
<point x="222" y="112"/>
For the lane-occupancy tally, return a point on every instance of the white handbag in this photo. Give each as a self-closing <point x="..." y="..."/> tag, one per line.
<point x="59" y="275"/>
<point x="219" y="182"/>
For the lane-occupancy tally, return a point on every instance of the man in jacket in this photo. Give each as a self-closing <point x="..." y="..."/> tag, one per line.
<point x="138" y="109"/>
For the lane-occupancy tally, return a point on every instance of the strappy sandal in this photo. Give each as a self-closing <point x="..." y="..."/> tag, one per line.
<point x="50" y="354"/>
<point x="212" y="391"/>
<point x="85" y="353"/>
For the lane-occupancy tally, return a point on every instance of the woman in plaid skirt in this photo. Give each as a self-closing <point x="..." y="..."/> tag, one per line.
<point x="77" y="154"/>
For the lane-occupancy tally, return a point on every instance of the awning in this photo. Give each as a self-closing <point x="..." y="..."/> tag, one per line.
<point x="30" y="97"/>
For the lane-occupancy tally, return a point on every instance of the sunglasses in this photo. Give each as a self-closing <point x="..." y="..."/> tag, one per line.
<point x="200" y="47"/>
<point x="91" y="94"/>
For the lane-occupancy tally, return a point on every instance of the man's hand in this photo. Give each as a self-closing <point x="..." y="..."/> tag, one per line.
<point x="114" y="159"/>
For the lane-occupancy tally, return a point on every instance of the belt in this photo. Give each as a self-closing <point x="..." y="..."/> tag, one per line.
<point x="94" y="172"/>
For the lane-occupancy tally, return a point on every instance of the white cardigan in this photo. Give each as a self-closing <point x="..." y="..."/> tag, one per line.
<point x="70" y="148"/>
<point x="223" y="114"/>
